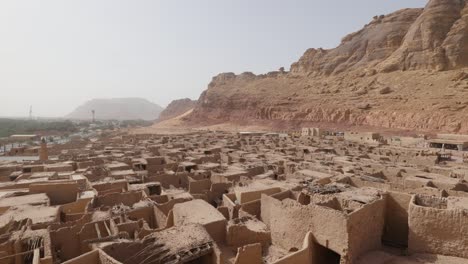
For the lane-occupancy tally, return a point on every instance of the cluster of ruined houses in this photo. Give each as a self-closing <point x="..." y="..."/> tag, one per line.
<point x="239" y="198"/>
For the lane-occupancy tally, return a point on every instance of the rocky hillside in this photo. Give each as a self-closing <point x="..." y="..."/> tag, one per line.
<point x="177" y="108"/>
<point x="405" y="70"/>
<point x="118" y="109"/>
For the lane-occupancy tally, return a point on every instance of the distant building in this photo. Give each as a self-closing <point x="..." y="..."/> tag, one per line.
<point x="449" y="144"/>
<point x="25" y="137"/>
<point x="362" y="137"/>
<point x="250" y="134"/>
<point x="312" y="131"/>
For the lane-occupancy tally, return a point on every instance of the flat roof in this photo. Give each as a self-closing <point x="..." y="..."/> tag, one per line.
<point x="38" y="214"/>
<point x="29" y="199"/>
<point x="448" y="141"/>
<point x="196" y="212"/>
<point x="18" y="158"/>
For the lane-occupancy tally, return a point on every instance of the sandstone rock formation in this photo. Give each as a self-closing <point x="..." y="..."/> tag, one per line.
<point x="176" y="108"/>
<point x="404" y="70"/>
<point x="436" y="40"/>
<point x="367" y="47"/>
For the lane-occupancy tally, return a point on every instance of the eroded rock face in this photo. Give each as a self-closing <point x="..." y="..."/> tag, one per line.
<point x="374" y="43"/>
<point x="456" y="42"/>
<point x="433" y="40"/>
<point x="404" y="71"/>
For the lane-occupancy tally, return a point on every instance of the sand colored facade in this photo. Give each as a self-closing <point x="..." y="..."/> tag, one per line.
<point x="224" y="198"/>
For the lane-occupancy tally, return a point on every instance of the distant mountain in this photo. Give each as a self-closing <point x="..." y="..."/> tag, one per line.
<point x="177" y="107"/>
<point x="117" y="108"/>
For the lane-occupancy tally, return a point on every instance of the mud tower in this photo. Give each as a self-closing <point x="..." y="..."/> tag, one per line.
<point x="43" y="153"/>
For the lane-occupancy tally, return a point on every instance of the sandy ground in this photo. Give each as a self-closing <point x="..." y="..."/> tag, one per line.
<point x="381" y="257"/>
<point x="179" y="125"/>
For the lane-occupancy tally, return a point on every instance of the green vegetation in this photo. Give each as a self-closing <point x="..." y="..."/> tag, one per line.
<point x="135" y="123"/>
<point x="10" y="127"/>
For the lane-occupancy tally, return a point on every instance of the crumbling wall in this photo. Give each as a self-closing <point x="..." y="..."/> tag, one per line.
<point x="264" y="208"/>
<point x="362" y="137"/>
<point x="159" y="199"/>
<point x="95" y="230"/>
<point x="75" y="210"/>
<point x="396" y="219"/>
<point x="104" y="258"/>
<point x="199" y="186"/>
<point x="178" y="180"/>
<point x="146" y="213"/>
<point x="59" y="193"/>
<point x="130" y="228"/>
<point x="85" y="218"/>
<point x="128" y="199"/>
<point x="407" y="141"/>
<point x="436" y="230"/>
<point x="419" y="160"/>
<point x="365" y="227"/>
<point x="200" y="212"/>
<point x="66" y="243"/>
<point x="85" y="164"/>
<point x="359" y="183"/>
<point x="215" y="194"/>
<point x="304" y="255"/>
<point x="248" y="196"/>
<point x="229" y="201"/>
<point x="240" y="234"/>
<point x="6" y="249"/>
<point x="252" y="208"/>
<point x="288" y="221"/>
<point x="101" y="188"/>
<point x="233" y="177"/>
<point x="220" y="188"/>
<point x="162" y="210"/>
<point x="59" y="167"/>
<point x="6" y="170"/>
<point x="88" y="258"/>
<point x="249" y="254"/>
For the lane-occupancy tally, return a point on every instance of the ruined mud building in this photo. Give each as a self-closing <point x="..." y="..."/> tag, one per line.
<point x="214" y="197"/>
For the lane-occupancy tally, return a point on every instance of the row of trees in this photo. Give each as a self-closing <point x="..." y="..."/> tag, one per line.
<point x="10" y="127"/>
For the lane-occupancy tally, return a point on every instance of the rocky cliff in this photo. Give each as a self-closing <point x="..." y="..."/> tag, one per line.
<point x="405" y="70"/>
<point x="176" y="108"/>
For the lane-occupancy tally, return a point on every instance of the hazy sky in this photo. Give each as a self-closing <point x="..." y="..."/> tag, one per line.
<point x="57" y="54"/>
